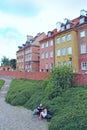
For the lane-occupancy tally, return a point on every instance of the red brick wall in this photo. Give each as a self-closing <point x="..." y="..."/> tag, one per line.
<point x="27" y="75"/>
<point x="80" y="78"/>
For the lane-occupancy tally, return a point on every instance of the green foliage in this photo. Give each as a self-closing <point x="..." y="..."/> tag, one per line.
<point x="1" y="83"/>
<point x="6" y="62"/>
<point x="67" y="104"/>
<point x="13" y="63"/>
<point x="60" y="80"/>
<point x="71" y="111"/>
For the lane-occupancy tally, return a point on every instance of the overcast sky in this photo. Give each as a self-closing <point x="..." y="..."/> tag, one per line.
<point x="19" y="18"/>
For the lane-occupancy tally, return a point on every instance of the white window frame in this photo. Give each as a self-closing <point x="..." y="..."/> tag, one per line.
<point x="82" y="20"/>
<point x="82" y="34"/>
<point x="68" y="26"/>
<point x="42" y="56"/>
<point x="51" y="42"/>
<point x="46" y="54"/>
<point x="63" y="51"/>
<point x="58" y="63"/>
<point x="58" y="52"/>
<point x="69" y="37"/>
<point x="64" y="63"/>
<point x="69" y="50"/>
<point x="83" y="48"/>
<point x="62" y="28"/>
<point x="51" y="65"/>
<point x="42" y="45"/>
<point x="58" y="40"/>
<point x="83" y="66"/>
<point x="46" y="44"/>
<point x="63" y="39"/>
<point x="51" y="53"/>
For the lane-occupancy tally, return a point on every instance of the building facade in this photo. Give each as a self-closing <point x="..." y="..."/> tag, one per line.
<point x="47" y="52"/>
<point x="82" y="41"/>
<point x="66" y="44"/>
<point x="28" y="54"/>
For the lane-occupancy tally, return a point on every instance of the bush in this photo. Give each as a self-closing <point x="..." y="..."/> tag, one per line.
<point x="67" y="104"/>
<point x="1" y="83"/>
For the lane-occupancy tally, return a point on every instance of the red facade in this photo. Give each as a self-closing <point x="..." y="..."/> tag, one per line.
<point x="82" y="44"/>
<point x="47" y="52"/>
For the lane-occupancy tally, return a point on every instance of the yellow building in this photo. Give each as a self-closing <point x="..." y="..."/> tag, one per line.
<point x="66" y="46"/>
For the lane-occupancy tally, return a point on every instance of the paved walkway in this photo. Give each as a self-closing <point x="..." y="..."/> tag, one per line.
<point x="17" y="118"/>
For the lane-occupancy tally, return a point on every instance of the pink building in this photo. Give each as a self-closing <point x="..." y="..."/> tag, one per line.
<point x="82" y="41"/>
<point x="47" y="52"/>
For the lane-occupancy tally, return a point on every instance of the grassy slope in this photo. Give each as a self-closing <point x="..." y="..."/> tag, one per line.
<point x="69" y="109"/>
<point x="1" y="83"/>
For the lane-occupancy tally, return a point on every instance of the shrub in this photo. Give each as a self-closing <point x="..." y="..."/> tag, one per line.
<point x="1" y="83"/>
<point x="60" y="80"/>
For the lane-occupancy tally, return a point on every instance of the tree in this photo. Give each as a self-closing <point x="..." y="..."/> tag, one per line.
<point x="13" y="63"/>
<point x="5" y="61"/>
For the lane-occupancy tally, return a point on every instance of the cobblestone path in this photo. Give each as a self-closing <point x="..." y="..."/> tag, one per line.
<point x="17" y="118"/>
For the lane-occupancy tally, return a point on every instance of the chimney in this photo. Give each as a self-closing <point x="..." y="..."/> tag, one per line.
<point x="29" y="38"/>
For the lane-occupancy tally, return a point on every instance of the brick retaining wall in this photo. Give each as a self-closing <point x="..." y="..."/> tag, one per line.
<point x="80" y="78"/>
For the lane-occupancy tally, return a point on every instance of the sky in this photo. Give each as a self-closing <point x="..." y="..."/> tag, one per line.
<point x="19" y="18"/>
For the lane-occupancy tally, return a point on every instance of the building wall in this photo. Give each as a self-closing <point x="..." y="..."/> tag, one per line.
<point x="82" y="40"/>
<point x="71" y="43"/>
<point x="45" y="63"/>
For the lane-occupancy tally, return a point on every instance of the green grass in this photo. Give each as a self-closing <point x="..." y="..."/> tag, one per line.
<point x="69" y="108"/>
<point x="1" y="83"/>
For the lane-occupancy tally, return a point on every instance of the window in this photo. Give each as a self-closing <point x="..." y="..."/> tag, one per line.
<point x="42" y="46"/>
<point x="58" y="63"/>
<point x="42" y="55"/>
<point x="63" y="38"/>
<point x="83" y="48"/>
<point x="58" y="41"/>
<point x="82" y="34"/>
<point x="83" y="66"/>
<point x="51" y="43"/>
<point x="51" y="54"/>
<point x="70" y="63"/>
<point x="29" y="58"/>
<point x="69" y="50"/>
<point x="62" y="28"/>
<point x="46" y="54"/>
<point x="69" y="37"/>
<point x="63" y="51"/>
<point x="81" y="20"/>
<point x="58" y="52"/>
<point x="64" y="63"/>
<point x="46" y="44"/>
<point x="68" y="26"/>
<point x="51" y="65"/>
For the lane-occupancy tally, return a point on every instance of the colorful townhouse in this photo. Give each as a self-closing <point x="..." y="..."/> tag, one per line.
<point x="66" y="44"/>
<point x="82" y="41"/>
<point x="47" y="52"/>
<point x="28" y="54"/>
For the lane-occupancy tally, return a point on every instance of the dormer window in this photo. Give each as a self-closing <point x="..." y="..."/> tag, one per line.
<point x="58" y="26"/>
<point x="49" y="33"/>
<point x="82" y="20"/>
<point x="62" y="28"/>
<point x="68" y="26"/>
